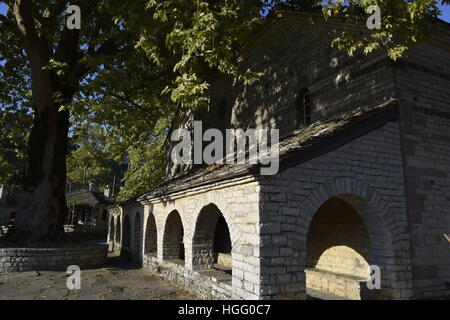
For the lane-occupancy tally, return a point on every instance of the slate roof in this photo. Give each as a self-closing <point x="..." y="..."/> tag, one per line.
<point x="91" y="198"/>
<point x="310" y="142"/>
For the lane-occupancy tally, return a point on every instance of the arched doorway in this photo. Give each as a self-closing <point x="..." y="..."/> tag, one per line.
<point x="211" y="247"/>
<point x="150" y="236"/>
<point x="173" y="246"/>
<point x="118" y="230"/>
<point x="137" y="238"/>
<point x="112" y="234"/>
<point x="346" y="235"/>
<point x="126" y="238"/>
<point x="336" y="252"/>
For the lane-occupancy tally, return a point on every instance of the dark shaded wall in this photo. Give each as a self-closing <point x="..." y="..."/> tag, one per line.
<point x="423" y="85"/>
<point x="295" y="56"/>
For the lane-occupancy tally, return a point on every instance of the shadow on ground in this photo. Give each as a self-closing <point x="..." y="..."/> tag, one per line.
<point x="118" y="279"/>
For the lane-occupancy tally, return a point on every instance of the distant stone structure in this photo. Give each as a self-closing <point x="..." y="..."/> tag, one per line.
<point x="8" y="206"/>
<point x="87" y="206"/>
<point x="364" y="177"/>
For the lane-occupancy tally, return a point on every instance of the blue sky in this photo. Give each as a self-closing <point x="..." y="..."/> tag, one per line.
<point x="445" y="11"/>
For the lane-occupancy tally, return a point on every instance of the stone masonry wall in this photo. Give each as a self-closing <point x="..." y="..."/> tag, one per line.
<point x="294" y="56"/>
<point x="35" y="259"/>
<point x="337" y="240"/>
<point x="269" y="221"/>
<point x="423" y="85"/>
<point x="237" y="200"/>
<point x="335" y="286"/>
<point x="367" y="173"/>
<point x="204" y="285"/>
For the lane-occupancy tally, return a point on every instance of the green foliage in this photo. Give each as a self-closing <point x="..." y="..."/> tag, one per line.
<point x="177" y="44"/>
<point x="15" y="117"/>
<point x="90" y="159"/>
<point x="146" y="170"/>
<point x="138" y="66"/>
<point x="403" y="24"/>
<point x="13" y="138"/>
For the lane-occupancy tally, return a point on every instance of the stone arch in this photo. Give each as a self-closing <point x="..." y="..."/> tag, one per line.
<point x="126" y="237"/>
<point x="173" y="238"/>
<point x="336" y="223"/>
<point x="137" y="240"/>
<point x="118" y="230"/>
<point x="216" y="199"/>
<point x="337" y="251"/>
<point x="111" y="233"/>
<point x="379" y="222"/>
<point x="161" y="214"/>
<point x="151" y="235"/>
<point x="206" y="242"/>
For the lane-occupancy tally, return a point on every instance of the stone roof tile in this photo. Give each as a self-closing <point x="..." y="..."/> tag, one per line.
<point x="302" y="145"/>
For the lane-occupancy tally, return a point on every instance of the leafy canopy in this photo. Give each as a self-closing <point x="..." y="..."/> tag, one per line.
<point x="136" y="67"/>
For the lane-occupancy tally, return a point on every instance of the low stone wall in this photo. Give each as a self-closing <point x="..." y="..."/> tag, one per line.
<point x="115" y="248"/>
<point x="333" y="284"/>
<point x="225" y="260"/>
<point x="55" y="259"/>
<point x="208" y="284"/>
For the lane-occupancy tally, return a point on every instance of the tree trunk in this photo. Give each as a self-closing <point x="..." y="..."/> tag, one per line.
<point x="42" y="206"/>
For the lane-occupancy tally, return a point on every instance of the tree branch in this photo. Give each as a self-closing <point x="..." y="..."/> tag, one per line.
<point x="10" y="25"/>
<point x="172" y="125"/>
<point x="34" y="44"/>
<point x="127" y="100"/>
<point x="107" y="48"/>
<point x="67" y="50"/>
<point x="59" y="7"/>
<point x="23" y="13"/>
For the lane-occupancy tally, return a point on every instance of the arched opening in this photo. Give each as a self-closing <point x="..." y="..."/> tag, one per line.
<point x="111" y="231"/>
<point x="222" y="239"/>
<point x="137" y="237"/>
<point x="150" y="236"/>
<point x="126" y="238"/>
<point x="337" y="252"/>
<point x="211" y="247"/>
<point x="111" y="235"/>
<point x="118" y="230"/>
<point x="173" y="246"/>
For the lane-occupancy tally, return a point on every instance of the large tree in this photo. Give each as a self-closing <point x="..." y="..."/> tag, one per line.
<point x="134" y="67"/>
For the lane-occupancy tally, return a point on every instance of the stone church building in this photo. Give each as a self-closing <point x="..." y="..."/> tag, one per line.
<point x="364" y="177"/>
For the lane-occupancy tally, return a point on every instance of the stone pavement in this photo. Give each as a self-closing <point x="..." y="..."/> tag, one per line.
<point x="118" y="280"/>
